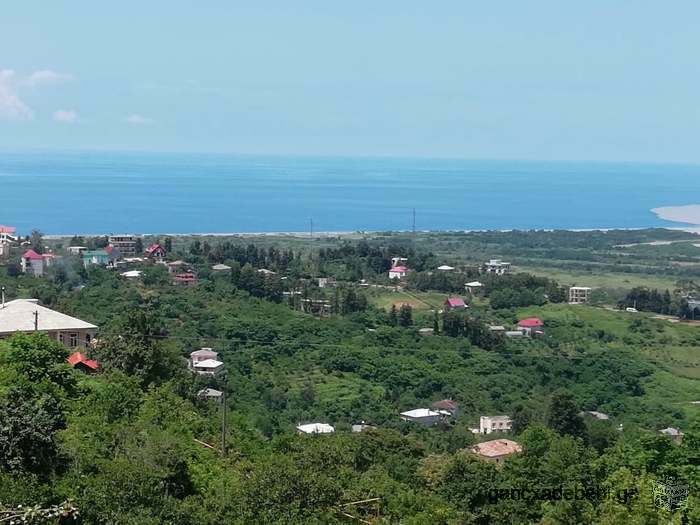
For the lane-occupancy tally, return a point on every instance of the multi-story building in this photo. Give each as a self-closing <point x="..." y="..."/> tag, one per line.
<point x="488" y="424"/>
<point x="579" y="294"/>
<point x="126" y="244"/>
<point x="497" y="266"/>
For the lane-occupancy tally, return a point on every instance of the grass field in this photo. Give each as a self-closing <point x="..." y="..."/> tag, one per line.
<point x="418" y="300"/>
<point x="610" y="280"/>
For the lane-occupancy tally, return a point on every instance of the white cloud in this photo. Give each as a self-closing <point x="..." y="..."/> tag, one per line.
<point x="11" y="106"/>
<point x="138" y="120"/>
<point x="45" y="76"/>
<point x="65" y="115"/>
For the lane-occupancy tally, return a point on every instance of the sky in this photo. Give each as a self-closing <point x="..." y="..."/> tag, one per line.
<point x="542" y="79"/>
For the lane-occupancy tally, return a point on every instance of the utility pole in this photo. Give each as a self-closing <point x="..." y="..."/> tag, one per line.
<point x="36" y="320"/>
<point x="3" y="296"/>
<point x="223" y="424"/>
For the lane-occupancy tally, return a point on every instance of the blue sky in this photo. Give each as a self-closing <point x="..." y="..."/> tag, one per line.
<point x="504" y="80"/>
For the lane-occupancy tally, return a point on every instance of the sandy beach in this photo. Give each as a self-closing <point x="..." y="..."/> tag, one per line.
<point x="689" y="214"/>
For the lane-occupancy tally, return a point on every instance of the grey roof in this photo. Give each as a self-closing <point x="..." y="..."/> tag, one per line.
<point x="670" y="431"/>
<point x="220" y="267"/>
<point x="18" y="316"/>
<point x="210" y="392"/>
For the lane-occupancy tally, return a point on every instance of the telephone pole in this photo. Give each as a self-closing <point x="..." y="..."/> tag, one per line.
<point x="36" y="320"/>
<point x="223" y="424"/>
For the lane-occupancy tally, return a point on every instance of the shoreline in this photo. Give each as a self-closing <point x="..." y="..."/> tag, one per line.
<point x="687" y="214"/>
<point x="693" y="228"/>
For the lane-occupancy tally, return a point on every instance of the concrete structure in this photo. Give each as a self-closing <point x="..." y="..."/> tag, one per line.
<point x="202" y="355"/>
<point x="454" y="303"/>
<point x="497" y="266"/>
<point x="326" y="282"/>
<point x="422" y="416"/>
<point x="27" y="315"/>
<point x="76" y="250"/>
<point x="398" y="272"/>
<point x="675" y="434"/>
<point x="315" y="428"/>
<point x="447" y="406"/>
<point x="496" y="450"/>
<point x="488" y="424"/>
<point x="126" y="244"/>
<point x="514" y="333"/>
<point x="210" y="394"/>
<point x="32" y="263"/>
<point x="579" y="294"/>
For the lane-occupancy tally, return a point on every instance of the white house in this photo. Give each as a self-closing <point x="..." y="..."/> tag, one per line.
<point x="204" y="362"/>
<point x="488" y="424"/>
<point x="579" y="294"/>
<point x="132" y="274"/>
<point x="422" y="416"/>
<point x="473" y="286"/>
<point x="445" y="268"/>
<point x="497" y="266"/>
<point x="398" y="272"/>
<point x="27" y="315"/>
<point x="315" y="428"/>
<point x="76" y="250"/>
<point x="32" y="263"/>
<point x="221" y="268"/>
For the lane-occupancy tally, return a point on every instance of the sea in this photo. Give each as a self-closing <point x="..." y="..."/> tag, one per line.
<point x="159" y="193"/>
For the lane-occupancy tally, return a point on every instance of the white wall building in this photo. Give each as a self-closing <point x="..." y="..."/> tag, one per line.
<point x="422" y="416"/>
<point x="488" y="424"/>
<point x="497" y="266"/>
<point x="315" y="428"/>
<point x="579" y="294"/>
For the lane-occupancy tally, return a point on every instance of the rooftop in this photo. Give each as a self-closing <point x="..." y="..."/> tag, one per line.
<point x="420" y="412"/>
<point x="208" y="363"/>
<point x="531" y="322"/>
<point x="445" y="404"/>
<point x="77" y="358"/>
<point x="400" y="269"/>
<point x="32" y="255"/>
<point x="18" y="316"/>
<point x="497" y="448"/>
<point x="210" y="392"/>
<point x="316" y="428"/>
<point x="455" y="302"/>
<point x="445" y="268"/>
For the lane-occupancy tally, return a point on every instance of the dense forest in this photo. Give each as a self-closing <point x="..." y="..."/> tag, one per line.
<point x="136" y="444"/>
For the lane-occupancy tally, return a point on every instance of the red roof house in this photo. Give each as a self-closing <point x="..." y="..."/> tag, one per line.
<point x="185" y="279"/>
<point x="32" y="256"/>
<point x="397" y="272"/>
<point x="155" y="251"/>
<point x="454" y="303"/>
<point x="531" y="322"/>
<point x="78" y="360"/>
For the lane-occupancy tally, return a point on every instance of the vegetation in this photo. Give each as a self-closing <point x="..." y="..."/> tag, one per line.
<point x="135" y="444"/>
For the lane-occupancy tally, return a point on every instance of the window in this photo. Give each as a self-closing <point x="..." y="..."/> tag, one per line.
<point x="73" y="340"/>
<point x="87" y="339"/>
<point x="60" y="337"/>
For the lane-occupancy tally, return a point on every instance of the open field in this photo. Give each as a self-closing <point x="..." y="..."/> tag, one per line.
<point x="609" y="280"/>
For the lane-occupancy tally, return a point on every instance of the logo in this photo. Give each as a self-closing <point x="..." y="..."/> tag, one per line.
<point x="670" y="494"/>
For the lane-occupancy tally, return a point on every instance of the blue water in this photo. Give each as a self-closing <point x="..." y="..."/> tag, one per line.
<point x="187" y="193"/>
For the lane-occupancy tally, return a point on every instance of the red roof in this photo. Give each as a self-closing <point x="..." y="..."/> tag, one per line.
<point x="153" y="248"/>
<point x="31" y="254"/>
<point x="77" y="358"/>
<point x="7" y="229"/>
<point x="531" y="322"/>
<point x="401" y="269"/>
<point x="455" y="302"/>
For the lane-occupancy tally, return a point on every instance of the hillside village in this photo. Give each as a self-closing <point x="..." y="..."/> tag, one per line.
<point x="499" y="311"/>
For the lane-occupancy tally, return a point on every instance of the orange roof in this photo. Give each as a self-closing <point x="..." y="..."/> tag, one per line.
<point x="31" y="254"/>
<point x="497" y="448"/>
<point x="77" y="358"/>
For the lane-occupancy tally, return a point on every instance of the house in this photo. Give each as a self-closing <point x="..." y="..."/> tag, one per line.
<point x="207" y="367"/>
<point x="132" y="274"/>
<point x="531" y="326"/>
<point x="446" y="405"/>
<point x="326" y="282"/>
<point x="445" y="268"/>
<point x="4" y="248"/>
<point x="220" y="268"/>
<point x="32" y="263"/>
<point x="675" y="434"/>
<point x="315" y="428"/>
<point x="473" y="287"/>
<point x="362" y="427"/>
<point x="398" y="261"/>
<point x="266" y="272"/>
<point x="598" y="415"/>
<point x="155" y="252"/>
<point x="27" y="315"/>
<point x="496" y="450"/>
<point x="185" y="279"/>
<point x="398" y="272"/>
<point x="497" y="328"/>
<point x="514" y="333"/>
<point x="202" y="355"/>
<point x="488" y="424"/>
<point x="422" y="416"/>
<point x="78" y="360"/>
<point x="96" y="257"/>
<point x="318" y="307"/>
<point x="426" y="331"/>
<point x="497" y="266"/>
<point x="76" y="250"/>
<point x="126" y="244"/>
<point x="210" y="394"/>
<point x="454" y="303"/>
<point x="7" y="234"/>
<point x="579" y="294"/>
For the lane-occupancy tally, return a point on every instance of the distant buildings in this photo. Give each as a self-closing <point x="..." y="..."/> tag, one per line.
<point x="447" y="407"/>
<point x="95" y="257"/>
<point x="315" y="428"/>
<point x="26" y="315"/>
<point x="497" y="266"/>
<point x="488" y="424"/>
<point x="76" y="250"/>
<point x="204" y="362"/>
<point x="398" y="272"/>
<point x="80" y="361"/>
<point x="454" y="303"/>
<point x="155" y="252"/>
<point x="531" y="326"/>
<point x="126" y="244"/>
<point x="422" y="416"/>
<point x="496" y="450"/>
<point x="579" y="294"/>
<point x="7" y="237"/>
<point x="326" y="282"/>
<point x="32" y="263"/>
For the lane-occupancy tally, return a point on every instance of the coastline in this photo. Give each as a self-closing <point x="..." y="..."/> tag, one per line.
<point x="688" y="214"/>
